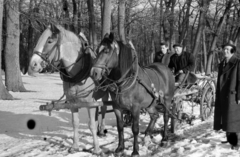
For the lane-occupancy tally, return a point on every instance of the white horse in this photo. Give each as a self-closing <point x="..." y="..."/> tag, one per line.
<point x="73" y="57"/>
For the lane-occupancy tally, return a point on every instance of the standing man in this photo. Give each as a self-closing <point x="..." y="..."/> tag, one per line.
<point x="163" y="56"/>
<point x="227" y="105"/>
<point x="181" y="63"/>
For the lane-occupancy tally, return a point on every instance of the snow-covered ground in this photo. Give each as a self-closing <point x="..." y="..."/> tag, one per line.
<point x="52" y="135"/>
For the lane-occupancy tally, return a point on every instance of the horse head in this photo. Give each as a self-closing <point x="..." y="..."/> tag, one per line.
<point x="45" y="50"/>
<point x="57" y="45"/>
<point x="107" y="57"/>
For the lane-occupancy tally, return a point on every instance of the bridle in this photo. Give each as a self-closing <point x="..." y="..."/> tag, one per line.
<point x="52" y="57"/>
<point x="123" y="79"/>
<point x="106" y="65"/>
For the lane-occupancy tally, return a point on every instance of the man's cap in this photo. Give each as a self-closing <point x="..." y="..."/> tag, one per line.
<point x="177" y="45"/>
<point x="229" y="44"/>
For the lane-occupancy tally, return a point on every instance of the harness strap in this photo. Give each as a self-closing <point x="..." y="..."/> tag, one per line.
<point x="155" y="97"/>
<point x="149" y="89"/>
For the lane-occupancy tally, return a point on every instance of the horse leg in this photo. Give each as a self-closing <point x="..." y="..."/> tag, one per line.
<point x="75" y="123"/>
<point x="119" y="118"/>
<point x="135" y="130"/>
<point x="92" y="127"/>
<point x="154" y="115"/>
<point x="165" y="119"/>
<point x="101" y="126"/>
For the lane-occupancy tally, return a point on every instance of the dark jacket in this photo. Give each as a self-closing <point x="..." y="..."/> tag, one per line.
<point x="227" y="111"/>
<point x="163" y="58"/>
<point x="185" y="62"/>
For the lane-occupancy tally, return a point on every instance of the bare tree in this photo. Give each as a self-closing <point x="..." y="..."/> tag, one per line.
<point x="3" y="92"/>
<point x="204" y="4"/>
<point x="92" y="25"/>
<point x="13" y="77"/>
<point x="106" y="22"/>
<point x="121" y="20"/>
<point x="75" y="18"/>
<point x="217" y="33"/>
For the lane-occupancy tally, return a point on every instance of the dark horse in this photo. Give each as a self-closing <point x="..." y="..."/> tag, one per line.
<point x="133" y="87"/>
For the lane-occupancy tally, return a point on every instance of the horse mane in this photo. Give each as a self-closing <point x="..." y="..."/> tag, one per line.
<point x="125" y="57"/>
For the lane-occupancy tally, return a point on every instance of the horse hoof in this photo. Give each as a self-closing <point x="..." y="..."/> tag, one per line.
<point x="98" y="153"/>
<point x="73" y="150"/>
<point x="236" y="147"/>
<point x="102" y="133"/>
<point x="164" y="144"/>
<point x="135" y="155"/>
<point x="119" y="154"/>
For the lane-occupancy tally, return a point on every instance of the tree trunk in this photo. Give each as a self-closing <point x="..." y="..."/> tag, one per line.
<point x="66" y="14"/>
<point x="106" y="22"/>
<point x="23" y="51"/>
<point x="4" y="95"/>
<point x="92" y="25"/>
<point x="128" y="19"/>
<point x="151" y="58"/>
<point x="236" y="37"/>
<point x="185" y="24"/>
<point x="75" y="17"/>
<point x="204" y="51"/>
<point x="215" y="38"/>
<point x="201" y="24"/>
<point x="13" y="77"/>
<point x="161" y="21"/>
<point x="121" y="20"/>
<point x="171" y="22"/>
<point x="79" y="16"/>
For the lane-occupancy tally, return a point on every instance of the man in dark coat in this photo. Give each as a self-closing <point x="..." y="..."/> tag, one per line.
<point x="182" y="63"/>
<point x="227" y="105"/>
<point x="163" y="56"/>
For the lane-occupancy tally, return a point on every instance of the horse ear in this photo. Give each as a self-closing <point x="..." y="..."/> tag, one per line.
<point x="81" y="35"/>
<point x="54" y="28"/>
<point x="91" y="52"/>
<point x="106" y="35"/>
<point x="111" y="36"/>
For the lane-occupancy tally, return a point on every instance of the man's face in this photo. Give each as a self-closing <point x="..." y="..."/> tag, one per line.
<point x="227" y="51"/>
<point x="178" y="50"/>
<point x="164" y="49"/>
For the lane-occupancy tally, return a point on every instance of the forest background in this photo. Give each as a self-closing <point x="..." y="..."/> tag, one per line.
<point x="201" y="26"/>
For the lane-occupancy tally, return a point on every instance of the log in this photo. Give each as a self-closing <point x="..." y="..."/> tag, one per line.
<point x="57" y="105"/>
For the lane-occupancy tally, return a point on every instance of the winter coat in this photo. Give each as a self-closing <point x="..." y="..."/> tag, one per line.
<point x="185" y="62"/>
<point x="163" y="58"/>
<point x="227" y="111"/>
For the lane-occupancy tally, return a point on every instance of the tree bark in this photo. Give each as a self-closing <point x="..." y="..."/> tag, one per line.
<point x="92" y="25"/>
<point x="171" y="22"/>
<point x="121" y="20"/>
<point x="66" y="14"/>
<point x="75" y="17"/>
<point x="204" y="50"/>
<point x="24" y="57"/>
<point x="4" y="94"/>
<point x="106" y="22"/>
<point x="160" y="21"/>
<point x="13" y="79"/>
<point x="185" y="24"/>
<point x="215" y="38"/>
<point x="128" y="19"/>
<point x="201" y="24"/>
